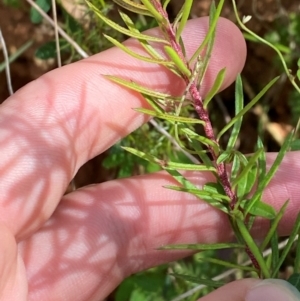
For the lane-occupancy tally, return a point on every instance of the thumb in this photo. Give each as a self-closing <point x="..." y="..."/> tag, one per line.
<point x="255" y="290"/>
<point x="273" y="290"/>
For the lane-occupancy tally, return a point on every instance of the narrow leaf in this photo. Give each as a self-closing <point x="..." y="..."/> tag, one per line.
<point x="226" y="157"/>
<point x="262" y="162"/>
<point x="173" y="55"/>
<point x="288" y="246"/>
<point x="203" y="247"/>
<point x="275" y="253"/>
<point x="206" y="141"/>
<point x="246" y="184"/>
<point x="261" y="209"/>
<point x="185" y="15"/>
<point x="123" y="30"/>
<point x="274" y="226"/>
<point x="215" y="188"/>
<point x="247" y="107"/>
<point x="210" y="33"/>
<point x="136" y="87"/>
<point x="215" y="88"/>
<point x="131" y="26"/>
<point x="133" y="7"/>
<point x="138" y="56"/>
<point x="153" y="11"/>
<point x="297" y="258"/>
<point x="253" y="247"/>
<point x="235" y="167"/>
<point x="204" y="281"/>
<point x="214" y="200"/>
<point x="153" y="104"/>
<point x="185" y="166"/>
<point x="201" y="153"/>
<point x="227" y="264"/>
<point x="266" y="180"/>
<point x="169" y="117"/>
<point x="143" y="155"/>
<point x="239" y="104"/>
<point x="201" y="193"/>
<point x="247" y="168"/>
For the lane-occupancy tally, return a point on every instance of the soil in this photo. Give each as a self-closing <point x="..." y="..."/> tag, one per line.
<point x="18" y="29"/>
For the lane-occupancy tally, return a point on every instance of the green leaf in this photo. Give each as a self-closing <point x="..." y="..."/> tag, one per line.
<point x="246" y="183"/>
<point x="136" y="87"/>
<point x="133" y="7"/>
<point x="168" y="164"/>
<point x="203" y="247"/>
<point x="274" y="226"/>
<point x="143" y="155"/>
<point x="215" y="188"/>
<point x="261" y="209"/>
<point x="253" y="247"/>
<point x="248" y="168"/>
<point x="275" y="252"/>
<point x="206" y="141"/>
<point x="294" y="280"/>
<point x="16" y="54"/>
<point x="212" y="27"/>
<point x="35" y="16"/>
<point x="153" y="104"/>
<point x="297" y="258"/>
<point x="235" y="167"/>
<point x="123" y="30"/>
<point x="247" y="107"/>
<point x="153" y="11"/>
<point x="204" y="281"/>
<point x="169" y="117"/>
<point x="266" y="180"/>
<point x="201" y="153"/>
<point x="298" y="74"/>
<point x="215" y="88"/>
<point x="185" y="15"/>
<point x="295" y="145"/>
<point x="173" y="55"/>
<point x="186" y="166"/>
<point x="48" y="50"/>
<point x="131" y="26"/>
<point x="226" y="157"/>
<point x="262" y="162"/>
<point x="288" y="246"/>
<point x="239" y="104"/>
<point x="138" y="56"/>
<point x="187" y="185"/>
<point x="214" y="200"/>
<point x="227" y="264"/>
<point x="201" y="193"/>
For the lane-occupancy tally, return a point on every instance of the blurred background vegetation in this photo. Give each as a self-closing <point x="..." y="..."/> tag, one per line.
<point x="30" y="42"/>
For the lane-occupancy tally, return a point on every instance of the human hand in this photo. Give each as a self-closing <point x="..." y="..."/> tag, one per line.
<point x="81" y="246"/>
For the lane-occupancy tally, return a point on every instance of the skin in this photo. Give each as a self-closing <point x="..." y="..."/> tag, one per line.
<point x="82" y="245"/>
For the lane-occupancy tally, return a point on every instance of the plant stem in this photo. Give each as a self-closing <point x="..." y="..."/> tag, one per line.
<point x="170" y="34"/>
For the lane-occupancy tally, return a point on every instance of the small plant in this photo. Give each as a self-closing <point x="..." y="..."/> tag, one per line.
<point x="239" y="179"/>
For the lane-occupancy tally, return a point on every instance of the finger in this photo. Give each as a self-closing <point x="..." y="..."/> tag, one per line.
<point x="101" y="234"/>
<point x="254" y="290"/>
<point x="58" y="122"/>
<point x="13" y="282"/>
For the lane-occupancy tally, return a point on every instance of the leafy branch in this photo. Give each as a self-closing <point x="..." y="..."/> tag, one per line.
<point x="240" y="180"/>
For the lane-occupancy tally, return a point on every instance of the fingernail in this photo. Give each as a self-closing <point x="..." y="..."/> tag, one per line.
<point x="273" y="290"/>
